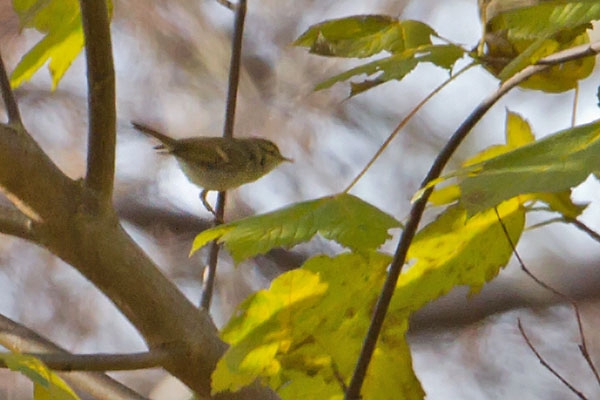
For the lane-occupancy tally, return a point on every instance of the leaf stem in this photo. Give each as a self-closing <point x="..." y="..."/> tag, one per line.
<point x="402" y="124"/>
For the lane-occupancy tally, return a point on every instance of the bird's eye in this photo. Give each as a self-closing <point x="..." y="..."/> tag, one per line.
<point x="270" y="148"/>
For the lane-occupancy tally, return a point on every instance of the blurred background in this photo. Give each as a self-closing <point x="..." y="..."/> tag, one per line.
<point x="172" y="61"/>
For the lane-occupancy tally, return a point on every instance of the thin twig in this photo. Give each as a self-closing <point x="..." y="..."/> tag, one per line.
<point x="545" y="364"/>
<point x="338" y="377"/>
<point x="17" y="337"/>
<point x="583" y="345"/>
<point x="102" y="114"/>
<point x="102" y="362"/>
<point x="15" y="223"/>
<point x="12" y="108"/>
<point x="418" y="207"/>
<point x="234" y="68"/>
<point x="208" y="283"/>
<point x="403" y="123"/>
<point x="580" y="225"/>
<point x="227" y="4"/>
<point x="228" y="129"/>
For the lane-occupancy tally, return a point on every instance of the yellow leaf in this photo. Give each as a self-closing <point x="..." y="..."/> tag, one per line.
<point x="518" y="131"/>
<point x="47" y="385"/>
<point x="446" y="195"/>
<point x="455" y="250"/>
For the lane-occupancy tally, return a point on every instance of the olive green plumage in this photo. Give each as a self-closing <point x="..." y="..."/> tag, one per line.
<point x="217" y="163"/>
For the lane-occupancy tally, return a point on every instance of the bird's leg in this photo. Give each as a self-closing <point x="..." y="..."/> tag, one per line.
<point x="205" y="203"/>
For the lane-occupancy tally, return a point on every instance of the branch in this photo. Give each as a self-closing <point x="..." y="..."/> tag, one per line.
<point x="102" y="362"/>
<point x="98" y="247"/>
<point x="234" y="67"/>
<point x="232" y="90"/>
<point x="96" y="244"/>
<point x="19" y="338"/>
<point x="15" y="223"/>
<point x="26" y="173"/>
<point x="583" y="348"/>
<point x="101" y="99"/>
<point x="580" y="225"/>
<point x="12" y="109"/>
<point x="545" y="363"/>
<point x="418" y="207"/>
<point x="227" y="4"/>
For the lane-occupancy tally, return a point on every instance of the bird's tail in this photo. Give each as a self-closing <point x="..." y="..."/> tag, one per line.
<point x="167" y="142"/>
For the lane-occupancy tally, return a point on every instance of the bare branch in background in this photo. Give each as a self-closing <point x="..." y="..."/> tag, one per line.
<point x="583" y="348"/>
<point x="545" y="363"/>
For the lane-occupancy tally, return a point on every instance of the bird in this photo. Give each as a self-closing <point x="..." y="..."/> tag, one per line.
<point x="218" y="163"/>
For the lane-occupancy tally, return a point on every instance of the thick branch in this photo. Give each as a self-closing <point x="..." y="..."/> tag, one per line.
<point x="95" y="244"/>
<point x="418" y="207"/>
<point x="19" y="338"/>
<point x="101" y="99"/>
<point x="31" y="180"/>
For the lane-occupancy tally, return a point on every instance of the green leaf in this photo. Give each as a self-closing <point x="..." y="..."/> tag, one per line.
<point x="263" y="330"/>
<point x="408" y="43"/>
<point x="397" y="66"/>
<point x="547" y="17"/>
<point x="517" y="133"/>
<point x="364" y="35"/>
<point x="60" y="21"/>
<point x="456" y="250"/>
<point x="303" y="334"/>
<point x="343" y="218"/>
<point x="390" y="375"/>
<point x="553" y="164"/>
<point x="561" y="202"/>
<point x="47" y="385"/>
